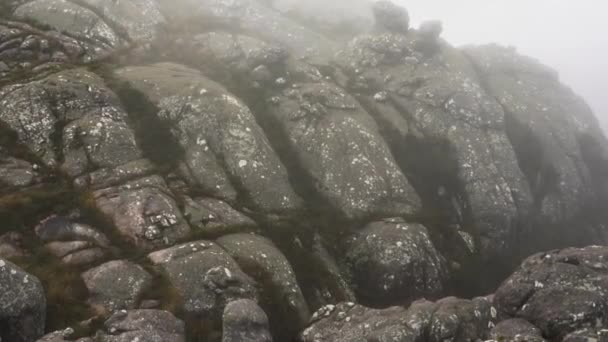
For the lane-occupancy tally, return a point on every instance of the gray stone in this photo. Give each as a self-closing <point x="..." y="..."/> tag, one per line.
<point x="22" y="304"/>
<point x="116" y="285"/>
<point x="469" y="173"/>
<point x="394" y="261"/>
<point x="558" y="140"/>
<point x="245" y="321"/>
<point x="515" y="330"/>
<point x="142" y="325"/>
<point x="220" y="138"/>
<point x="205" y="276"/>
<point x="260" y="259"/>
<point x="450" y="319"/>
<point x="578" y="277"/>
<point x="339" y="146"/>
<point x="144" y="212"/>
<point x="89" y="119"/>
<point x="215" y="217"/>
<point x="391" y="17"/>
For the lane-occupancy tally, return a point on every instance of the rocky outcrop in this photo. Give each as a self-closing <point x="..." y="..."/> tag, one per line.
<point x="217" y="170"/>
<point x="577" y="276"/>
<point x="394" y="262"/>
<point x="448" y="319"/>
<point x="22" y="304"/>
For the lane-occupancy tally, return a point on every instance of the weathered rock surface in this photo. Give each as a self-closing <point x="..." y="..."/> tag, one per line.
<point x="71" y="120"/>
<point x="116" y="285"/>
<point x="22" y="304"/>
<point x="144" y="212"/>
<point x="469" y="176"/>
<point x="516" y="329"/>
<point x="267" y="170"/>
<point x="223" y="147"/>
<point x="142" y="325"/>
<point x="244" y="321"/>
<point x="449" y="319"/>
<point x="205" y="276"/>
<point x="576" y="276"/>
<point x="394" y="262"/>
<point x="551" y="129"/>
<point x="264" y="262"/>
<point x="100" y="26"/>
<point x="216" y="218"/>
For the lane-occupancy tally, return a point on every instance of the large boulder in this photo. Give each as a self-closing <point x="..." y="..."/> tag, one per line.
<point x="223" y="147"/>
<point x="330" y="143"/>
<point x="260" y="259"/>
<point x="338" y="145"/>
<point x="71" y="120"/>
<point x="392" y="261"/>
<point x="142" y="325"/>
<point x="244" y="321"/>
<point x="468" y="175"/>
<point x="101" y="26"/>
<point x="450" y="319"/>
<point x="27" y="51"/>
<point x="205" y="277"/>
<point x="16" y="174"/>
<point x="144" y="213"/>
<point x="578" y="277"/>
<point x="252" y="18"/>
<point x="22" y="304"/>
<point x="116" y="285"/>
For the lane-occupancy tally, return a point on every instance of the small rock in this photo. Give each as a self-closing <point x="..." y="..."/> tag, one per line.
<point x="245" y="321"/>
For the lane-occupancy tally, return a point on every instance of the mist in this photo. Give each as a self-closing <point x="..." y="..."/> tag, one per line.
<point x="569" y="36"/>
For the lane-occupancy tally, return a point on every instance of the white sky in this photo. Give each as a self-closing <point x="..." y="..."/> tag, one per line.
<point x="569" y="35"/>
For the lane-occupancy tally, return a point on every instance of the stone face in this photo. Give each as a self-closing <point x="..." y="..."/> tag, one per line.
<point x="144" y="212"/>
<point x="22" y="304"/>
<point x="260" y="259"/>
<point x="223" y="146"/>
<point x="393" y="261"/>
<point x="245" y="321"/>
<point x="116" y="285"/>
<point x="205" y="276"/>
<point x="576" y="276"/>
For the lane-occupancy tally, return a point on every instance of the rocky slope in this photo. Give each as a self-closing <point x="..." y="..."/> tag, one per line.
<point x="213" y="170"/>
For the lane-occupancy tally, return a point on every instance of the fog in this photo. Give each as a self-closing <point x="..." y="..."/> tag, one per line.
<point x="571" y="36"/>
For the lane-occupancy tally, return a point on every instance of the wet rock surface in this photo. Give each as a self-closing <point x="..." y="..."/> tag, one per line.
<point x="219" y="170"/>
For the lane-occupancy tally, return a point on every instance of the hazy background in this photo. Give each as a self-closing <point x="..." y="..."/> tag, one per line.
<point x="569" y="35"/>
